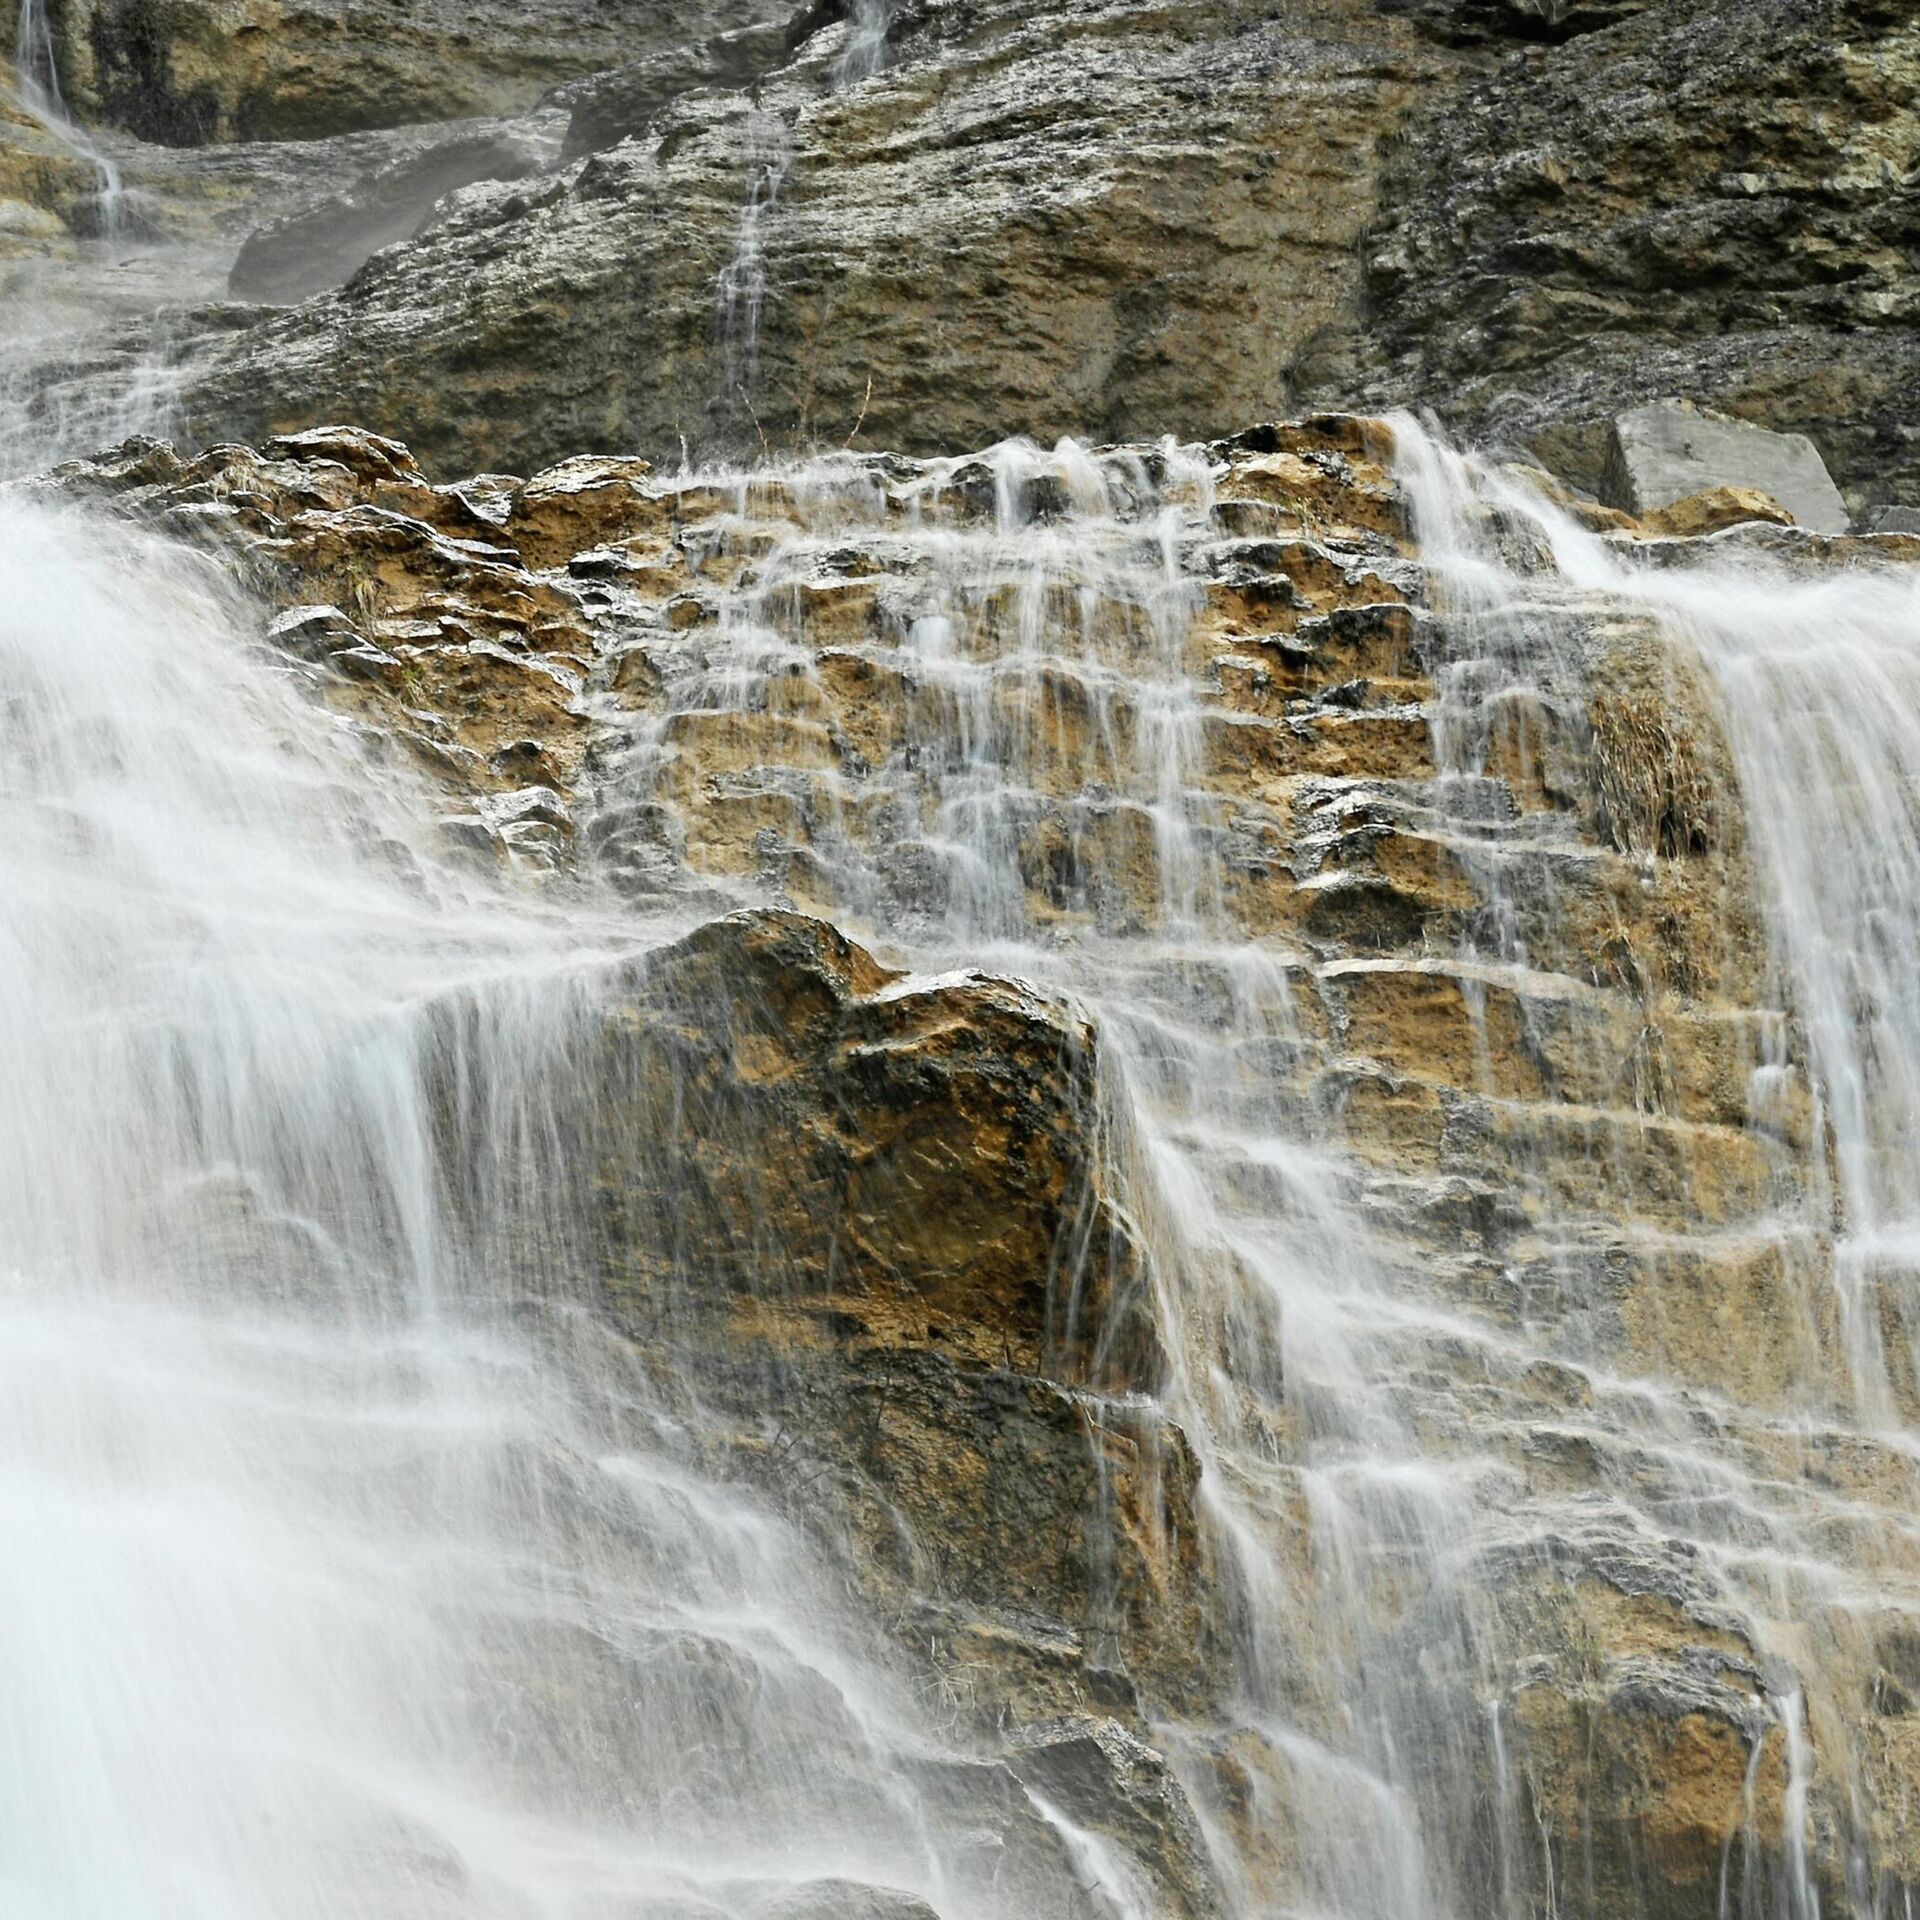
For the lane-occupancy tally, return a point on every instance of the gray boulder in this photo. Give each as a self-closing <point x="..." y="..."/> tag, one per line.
<point x="1670" y="449"/>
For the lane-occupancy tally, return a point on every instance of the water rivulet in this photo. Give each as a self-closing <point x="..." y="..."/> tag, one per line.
<point x="1313" y="1321"/>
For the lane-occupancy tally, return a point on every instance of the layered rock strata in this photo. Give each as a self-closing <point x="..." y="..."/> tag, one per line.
<point x="946" y="233"/>
<point x="185" y="72"/>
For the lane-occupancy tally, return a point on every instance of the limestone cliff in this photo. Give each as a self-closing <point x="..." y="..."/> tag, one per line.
<point x="184" y="72"/>
<point x="1186" y="1054"/>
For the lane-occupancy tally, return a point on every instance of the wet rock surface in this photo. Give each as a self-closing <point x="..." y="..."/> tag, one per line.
<point x="308" y="252"/>
<point x="1091" y="897"/>
<point x="923" y="227"/>
<point x="887" y="1223"/>
<point x="192" y="71"/>
<point x="966" y="243"/>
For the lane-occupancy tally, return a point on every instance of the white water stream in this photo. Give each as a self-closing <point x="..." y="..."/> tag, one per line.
<point x="1816" y="677"/>
<point x="324" y="1591"/>
<point x="37" y="86"/>
<point x="346" y="1569"/>
<point x="1368" y="1435"/>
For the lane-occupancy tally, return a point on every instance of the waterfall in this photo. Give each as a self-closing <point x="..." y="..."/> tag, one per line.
<point x="330" y="1588"/>
<point x="866" y="45"/>
<point x="742" y="282"/>
<point x="1779" y="722"/>
<point x="358" y="1565"/>
<point x="84" y="358"/>
<point x="37" y="85"/>
<point x="1047" y="808"/>
<point x="36" y="68"/>
<point x="1815" y="677"/>
<point x="1384" y="1426"/>
<point x="767" y="151"/>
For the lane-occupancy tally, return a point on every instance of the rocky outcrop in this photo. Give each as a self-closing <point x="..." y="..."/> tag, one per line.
<point x="1510" y="213"/>
<point x="96" y="317"/>
<point x="970" y="242"/>
<point x="1714" y="198"/>
<point x="47" y="190"/>
<point x="394" y="598"/>
<point x="881" y="1206"/>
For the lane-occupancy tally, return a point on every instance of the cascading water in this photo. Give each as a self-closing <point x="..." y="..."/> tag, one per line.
<point x="1385" y="1428"/>
<point x="1046" y="805"/>
<point x="353" y="1568"/>
<point x="767" y="152"/>
<point x="1813" y="678"/>
<point x="1781" y="721"/>
<point x="69" y="380"/>
<point x="328" y="1591"/>
<point x="866" y="45"/>
<point x="742" y="287"/>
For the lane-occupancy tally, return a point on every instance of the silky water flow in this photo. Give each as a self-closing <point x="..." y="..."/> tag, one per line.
<point x="329" y="1588"/>
<point x="1383" y="1431"/>
<point x="1752" y="706"/>
<point x="353" y="1568"/>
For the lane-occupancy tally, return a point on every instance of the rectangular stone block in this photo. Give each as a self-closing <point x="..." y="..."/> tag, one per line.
<point x="1669" y="449"/>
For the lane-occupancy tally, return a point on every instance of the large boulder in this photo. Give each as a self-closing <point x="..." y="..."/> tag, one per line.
<point x="919" y="1165"/>
<point x="1667" y="451"/>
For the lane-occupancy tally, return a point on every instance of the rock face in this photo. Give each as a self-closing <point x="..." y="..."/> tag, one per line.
<point x="182" y="72"/>
<point x="1713" y="198"/>
<point x="968" y="243"/>
<point x="927" y="227"/>
<point x="1209" y="1118"/>
<point x="322" y="247"/>
<point x="950" y="1260"/>
<point x="1511" y="213"/>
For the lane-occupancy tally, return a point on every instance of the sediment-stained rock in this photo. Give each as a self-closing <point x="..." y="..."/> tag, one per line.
<point x="184" y="72"/>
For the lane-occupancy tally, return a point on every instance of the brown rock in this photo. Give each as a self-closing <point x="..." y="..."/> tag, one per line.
<point x="1713" y="510"/>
